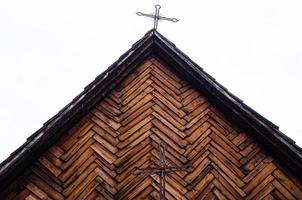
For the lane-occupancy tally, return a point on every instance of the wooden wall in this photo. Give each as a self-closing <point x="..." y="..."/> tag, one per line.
<point x="95" y="159"/>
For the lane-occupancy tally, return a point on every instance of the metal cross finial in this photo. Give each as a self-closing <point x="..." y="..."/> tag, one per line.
<point x="162" y="170"/>
<point x="156" y="16"/>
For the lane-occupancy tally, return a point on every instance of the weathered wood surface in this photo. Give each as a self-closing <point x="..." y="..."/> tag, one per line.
<point x="95" y="159"/>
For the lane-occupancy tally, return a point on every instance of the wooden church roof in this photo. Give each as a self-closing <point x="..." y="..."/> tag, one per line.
<point x="153" y="44"/>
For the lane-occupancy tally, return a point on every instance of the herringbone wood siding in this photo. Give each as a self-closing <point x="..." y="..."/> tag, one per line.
<point x="95" y="159"/>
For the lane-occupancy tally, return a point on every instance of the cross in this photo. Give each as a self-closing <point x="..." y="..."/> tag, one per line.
<point x="162" y="170"/>
<point x="156" y="16"/>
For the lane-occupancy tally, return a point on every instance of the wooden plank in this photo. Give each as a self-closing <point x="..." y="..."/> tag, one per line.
<point x="219" y="195"/>
<point x="104" y="153"/>
<point x="278" y="195"/>
<point x="198" y="148"/>
<point x="227" y="185"/>
<point x="170" y="151"/>
<point x="197" y="170"/>
<point x="186" y="91"/>
<point x="200" y="132"/>
<point x="133" y="140"/>
<point x="251" y="155"/>
<point x="81" y="187"/>
<point x="74" y="167"/>
<point x="165" y="101"/>
<point x="176" y="129"/>
<point x="239" y="139"/>
<point x="288" y="184"/>
<point x="113" y="124"/>
<point x="167" y="140"/>
<point x="85" y="174"/>
<point x="127" y="179"/>
<point x="229" y="148"/>
<point x="169" y="111"/>
<point x="165" y="69"/>
<point x="206" y="193"/>
<point x="197" y="118"/>
<point x="45" y="187"/>
<point x="268" y="189"/>
<point x="229" y="180"/>
<point x="197" y="142"/>
<point x="52" y="168"/>
<point x="102" y="173"/>
<point x="126" y="165"/>
<point x="283" y="190"/>
<point x="111" y="110"/>
<point x="105" y="126"/>
<point x="135" y="128"/>
<point x="221" y="137"/>
<point x="137" y="113"/>
<point x="105" y="168"/>
<point x="260" y="187"/>
<point x="140" y="188"/>
<point x="258" y="169"/>
<point x="257" y="159"/>
<point x="134" y="90"/>
<point x="225" y="158"/>
<point x="200" y="110"/>
<point x="78" y="170"/>
<point x="37" y="191"/>
<point x="137" y="99"/>
<point x="56" y="151"/>
<point x="30" y="197"/>
<point x="39" y="170"/>
<point x="171" y="99"/>
<point x="194" y="104"/>
<point x="259" y="178"/>
<point x="105" y="144"/>
<point x="200" y="186"/>
<point x="101" y="132"/>
<point x="131" y="151"/>
<point x="170" y="189"/>
<point x="53" y="159"/>
<point x="141" y="116"/>
<point x="226" y="170"/>
<point x="85" y="194"/>
<point x="69" y="140"/>
<point x="77" y="154"/>
<point x="223" y="190"/>
<point x="191" y="97"/>
<point x="168" y="81"/>
<point x="220" y="119"/>
<point x="80" y="143"/>
<point x="170" y="133"/>
<point x="139" y="104"/>
<point x="178" y="123"/>
<point x="139" y="72"/>
<point x="167" y="89"/>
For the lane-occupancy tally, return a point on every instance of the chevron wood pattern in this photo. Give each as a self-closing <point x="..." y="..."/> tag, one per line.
<point x="96" y="158"/>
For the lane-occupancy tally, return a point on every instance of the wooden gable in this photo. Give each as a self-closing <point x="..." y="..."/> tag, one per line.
<point x="95" y="158"/>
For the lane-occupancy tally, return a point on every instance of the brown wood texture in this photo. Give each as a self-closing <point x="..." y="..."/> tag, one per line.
<point x="96" y="158"/>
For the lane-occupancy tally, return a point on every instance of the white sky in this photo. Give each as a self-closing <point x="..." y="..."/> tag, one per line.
<point x="50" y="50"/>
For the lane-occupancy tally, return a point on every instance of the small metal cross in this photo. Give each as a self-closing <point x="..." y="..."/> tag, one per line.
<point x="156" y="16"/>
<point x="162" y="170"/>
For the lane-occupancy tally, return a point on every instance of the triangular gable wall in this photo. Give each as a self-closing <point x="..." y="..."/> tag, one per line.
<point x="96" y="158"/>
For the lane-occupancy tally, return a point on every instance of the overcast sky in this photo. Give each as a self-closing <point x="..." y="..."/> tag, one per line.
<point x="50" y="50"/>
